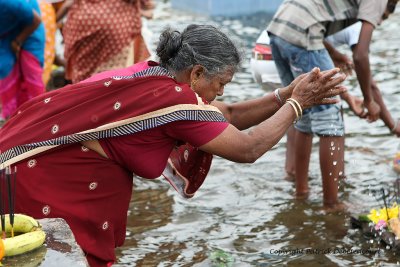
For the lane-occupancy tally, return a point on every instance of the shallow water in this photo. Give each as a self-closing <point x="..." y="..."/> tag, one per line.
<point x="244" y="213"/>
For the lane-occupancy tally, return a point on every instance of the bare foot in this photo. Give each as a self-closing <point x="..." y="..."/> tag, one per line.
<point x="334" y="208"/>
<point x="301" y="195"/>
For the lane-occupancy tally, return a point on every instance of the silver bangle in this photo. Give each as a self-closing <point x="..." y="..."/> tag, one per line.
<point x="276" y="93"/>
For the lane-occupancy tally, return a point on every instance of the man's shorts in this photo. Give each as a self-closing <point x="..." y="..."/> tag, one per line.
<point x="291" y="61"/>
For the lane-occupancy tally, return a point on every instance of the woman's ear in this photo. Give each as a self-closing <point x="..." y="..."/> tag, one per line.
<point x="197" y="72"/>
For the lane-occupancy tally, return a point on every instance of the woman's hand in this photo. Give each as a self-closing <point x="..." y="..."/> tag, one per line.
<point x="286" y="92"/>
<point x="318" y="87"/>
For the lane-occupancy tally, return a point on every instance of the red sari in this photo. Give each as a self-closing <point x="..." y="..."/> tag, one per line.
<point x="58" y="177"/>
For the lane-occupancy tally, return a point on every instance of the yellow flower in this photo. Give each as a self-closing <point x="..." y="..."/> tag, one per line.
<point x="375" y="216"/>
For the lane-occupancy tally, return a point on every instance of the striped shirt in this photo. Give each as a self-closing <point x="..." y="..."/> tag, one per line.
<point x="306" y="23"/>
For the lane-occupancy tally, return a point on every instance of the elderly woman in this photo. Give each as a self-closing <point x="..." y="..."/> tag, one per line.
<point x="76" y="148"/>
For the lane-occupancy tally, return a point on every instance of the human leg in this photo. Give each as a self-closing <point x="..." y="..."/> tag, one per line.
<point x="278" y="47"/>
<point x="302" y="151"/>
<point x="331" y="153"/>
<point x="328" y="124"/>
<point x="290" y="153"/>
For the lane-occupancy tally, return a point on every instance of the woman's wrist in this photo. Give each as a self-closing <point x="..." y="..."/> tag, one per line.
<point x="296" y="107"/>
<point x="278" y="98"/>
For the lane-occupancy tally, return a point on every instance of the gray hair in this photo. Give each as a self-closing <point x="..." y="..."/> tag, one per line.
<point x="204" y="45"/>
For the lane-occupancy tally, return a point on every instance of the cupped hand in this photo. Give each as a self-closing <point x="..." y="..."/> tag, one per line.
<point x="318" y="87"/>
<point x="296" y="81"/>
<point x="287" y="91"/>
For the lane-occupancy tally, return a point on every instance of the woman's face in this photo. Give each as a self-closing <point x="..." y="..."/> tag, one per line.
<point x="211" y="87"/>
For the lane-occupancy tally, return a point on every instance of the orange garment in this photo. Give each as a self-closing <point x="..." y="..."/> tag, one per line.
<point x="50" y="25"/>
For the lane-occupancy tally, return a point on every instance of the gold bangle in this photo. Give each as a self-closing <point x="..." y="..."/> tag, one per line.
<point x="295" y="110"/>
<point x="297" y="104"/>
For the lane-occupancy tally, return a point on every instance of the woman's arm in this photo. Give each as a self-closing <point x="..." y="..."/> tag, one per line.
<point x="63" y="10"/>
<point x="17" y="43"/>
<point x="247" y="147"/>
<point x="248" y="113"/>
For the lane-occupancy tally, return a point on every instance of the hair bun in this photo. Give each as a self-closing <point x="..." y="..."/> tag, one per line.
<point x="169" y="45"/>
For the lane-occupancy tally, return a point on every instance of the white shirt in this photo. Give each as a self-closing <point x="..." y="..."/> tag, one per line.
<point x="348" y="36"/>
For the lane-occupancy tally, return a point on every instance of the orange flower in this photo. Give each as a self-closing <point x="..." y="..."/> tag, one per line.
<point x="2" y="249"/>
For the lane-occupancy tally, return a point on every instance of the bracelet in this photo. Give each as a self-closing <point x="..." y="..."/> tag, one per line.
<point x="300" y="110"/>
<point x="395" y="126"/>
<point x="295" y="110"/>
<point x="278" y="97"/>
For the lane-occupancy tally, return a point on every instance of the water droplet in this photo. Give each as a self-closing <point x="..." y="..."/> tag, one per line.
<point x="332" y="143"/>
<point x="340" y="173"/>
<point x="334" y="163"/>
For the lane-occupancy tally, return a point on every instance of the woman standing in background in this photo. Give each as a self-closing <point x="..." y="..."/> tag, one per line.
<point x="21" y="53"/>
<point x="100" y="35"/>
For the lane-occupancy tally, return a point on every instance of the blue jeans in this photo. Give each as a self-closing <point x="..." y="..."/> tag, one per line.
<point x="291" y="61"/>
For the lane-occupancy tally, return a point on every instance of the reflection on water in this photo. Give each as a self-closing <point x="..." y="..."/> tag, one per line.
<point x="248" y="211"/>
